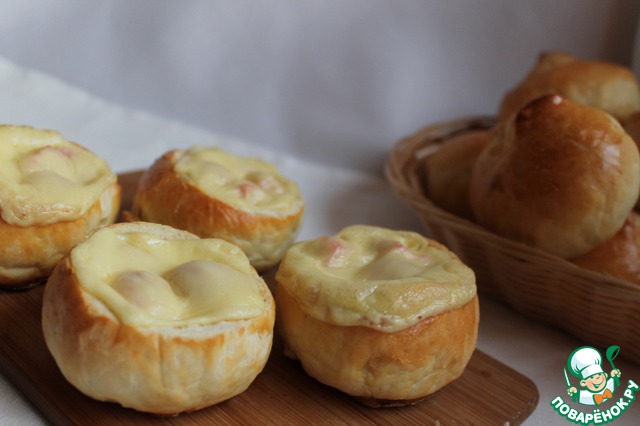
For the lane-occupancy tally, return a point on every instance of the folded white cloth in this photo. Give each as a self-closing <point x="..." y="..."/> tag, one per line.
<point x="336" y="197"/>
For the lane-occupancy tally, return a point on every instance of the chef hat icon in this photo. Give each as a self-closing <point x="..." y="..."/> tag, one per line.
<point x="585" y="361"/>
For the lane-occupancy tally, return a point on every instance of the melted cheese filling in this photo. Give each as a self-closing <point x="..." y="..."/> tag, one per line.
<point x="248" y="184"/>
<point x="45" y="179"/>
<point x="147" y="281"/>
<point x="375" y="277"/>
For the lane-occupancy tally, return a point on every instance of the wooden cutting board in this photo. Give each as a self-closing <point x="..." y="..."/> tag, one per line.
<point x="282" y="394"/>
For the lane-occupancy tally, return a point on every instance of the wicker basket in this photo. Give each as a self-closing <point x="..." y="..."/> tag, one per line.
<point x="597" y="309"/>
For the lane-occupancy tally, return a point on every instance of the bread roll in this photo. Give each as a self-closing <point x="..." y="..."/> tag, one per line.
<point x="211" y="193"/>
<point x="558" y="176"/>
<point x="388" y="317"/>
<point x="619" y="256"/>
<point x="53" y="193"/>
<point x="608" y="86"/>
<point x="449" y="170"/>
<point x="157" y="319"/>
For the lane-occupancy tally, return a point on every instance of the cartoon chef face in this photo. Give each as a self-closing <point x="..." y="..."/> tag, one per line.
<point x="595" y="383"/>
<point x="585" y="363"/>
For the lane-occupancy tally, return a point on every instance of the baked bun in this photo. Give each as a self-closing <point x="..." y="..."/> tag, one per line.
<point x="619" y="256"/>
<point x="388" y="317"/>
<point x="157" y="319"/>
<point x="608" y="86"/>
<point x="449" y="170"/>
<point x="558" y="176"/>
<point x="211" y="193"/>
<point x="53" y="193"/>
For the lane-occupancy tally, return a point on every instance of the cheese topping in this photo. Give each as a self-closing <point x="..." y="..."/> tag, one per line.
<point x="147" y="281"/>
<point x="44" y="178"/>
<point x="248" y="184"/>
<point x="375" y="277"/>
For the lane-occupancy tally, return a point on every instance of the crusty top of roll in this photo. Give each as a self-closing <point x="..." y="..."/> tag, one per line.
<point x="152" y="275"/>
<point x="45" y="178"/>
<point x="375" y="277"/>
<point x="605" y="85"/>
<point x="558" y="175"/>
<point x="248" y="184"/>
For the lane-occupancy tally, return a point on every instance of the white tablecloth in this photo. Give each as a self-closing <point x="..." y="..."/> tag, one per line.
<point x="309" y="89"/>
<point x="336" y="197"/>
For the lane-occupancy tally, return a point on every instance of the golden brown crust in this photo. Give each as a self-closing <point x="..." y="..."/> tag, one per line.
<point x="381" y="369"/>
<point x="165" y="197"/>
<point x="558" y="176"/>
<point x="449" y="171"/>
<point x="619" y="256"/>
<point x="157" y="370"/>
<point x="608" y="86"/>
<point x="28" y="254"/>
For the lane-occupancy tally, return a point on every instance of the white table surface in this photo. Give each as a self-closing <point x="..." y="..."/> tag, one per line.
<point x="333" y="149"/>
<point x="336" y="197"/>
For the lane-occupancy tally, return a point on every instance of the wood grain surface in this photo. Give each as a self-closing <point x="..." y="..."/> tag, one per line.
<point x="282" y="394"/>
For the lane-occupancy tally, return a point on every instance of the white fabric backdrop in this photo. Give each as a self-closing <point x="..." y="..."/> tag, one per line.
<point x="335" y="81"/>
<point x="332" y="83"/>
